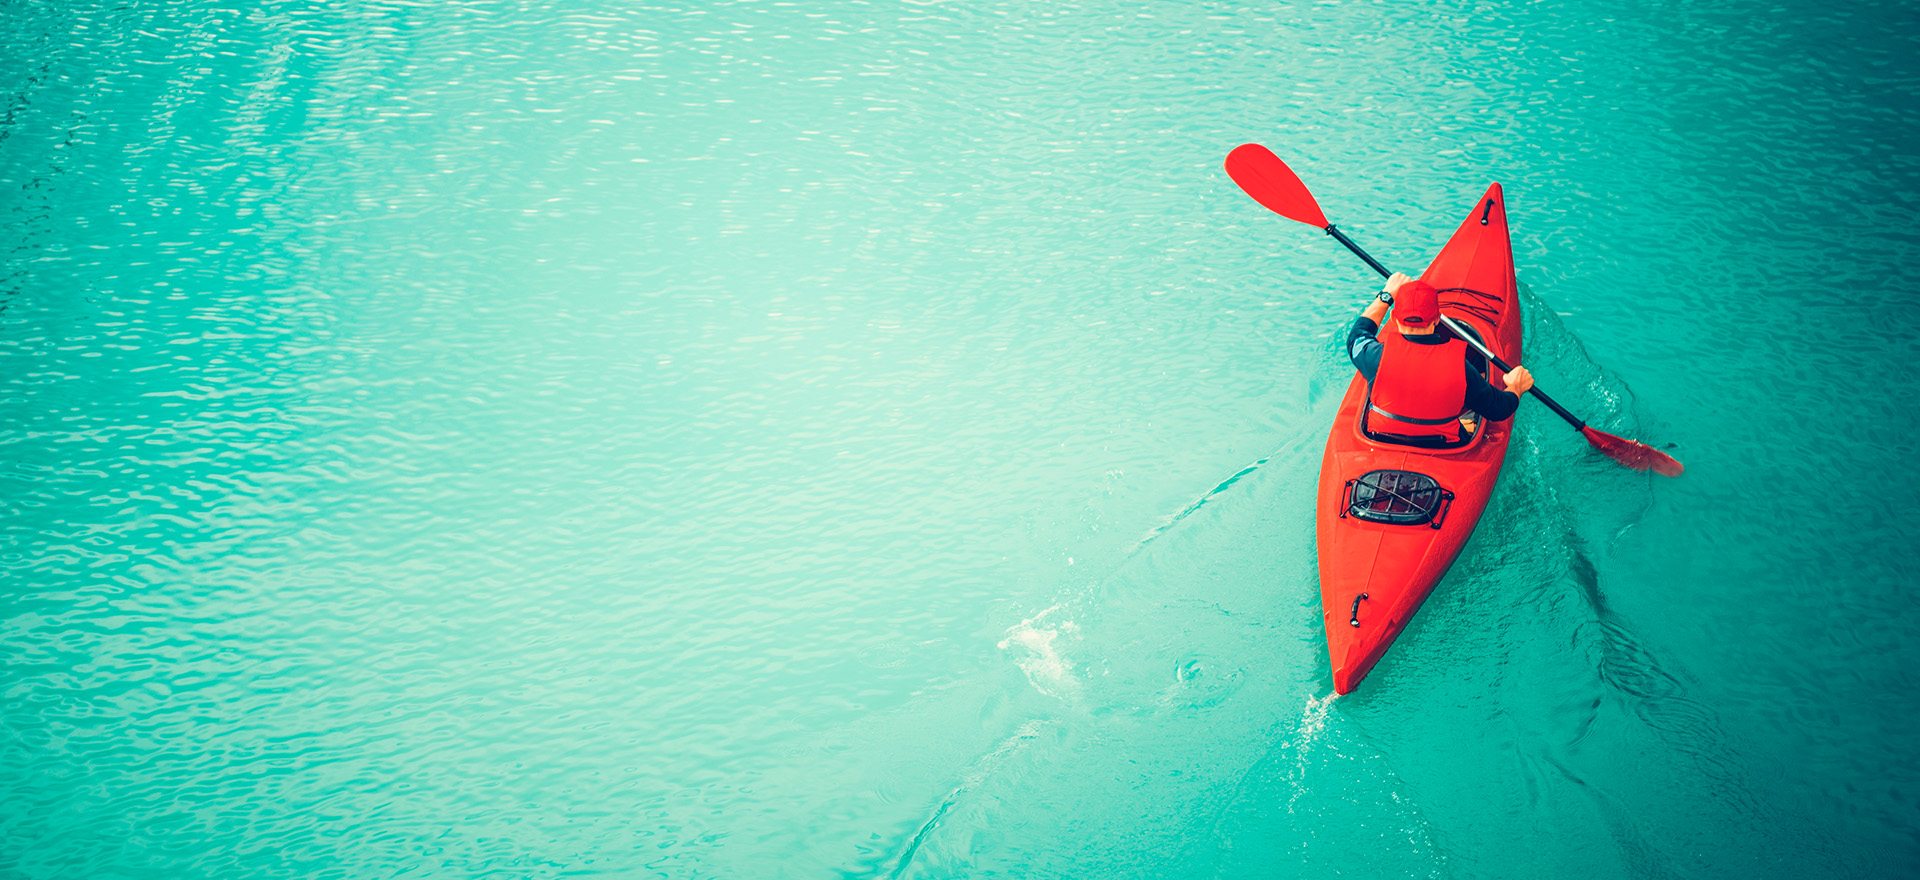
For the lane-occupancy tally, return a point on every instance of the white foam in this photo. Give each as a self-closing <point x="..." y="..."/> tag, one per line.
<point x="1037" y="651"/>
<point x="1313" y="723"/>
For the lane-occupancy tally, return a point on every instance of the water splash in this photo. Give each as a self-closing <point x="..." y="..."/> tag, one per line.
<point x="1038" y="655"/>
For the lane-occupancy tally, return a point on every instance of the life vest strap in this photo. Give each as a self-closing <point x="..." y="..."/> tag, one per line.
<point x="1410" y="419"/>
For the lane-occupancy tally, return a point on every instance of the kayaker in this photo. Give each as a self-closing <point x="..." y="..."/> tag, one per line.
<point x="1414" y="395"/>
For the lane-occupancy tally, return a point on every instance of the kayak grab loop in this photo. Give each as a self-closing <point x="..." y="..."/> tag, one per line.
<point x="1396" y="498"/>
<point x="1356" y="609"/>
<point x="1485" y="211"/>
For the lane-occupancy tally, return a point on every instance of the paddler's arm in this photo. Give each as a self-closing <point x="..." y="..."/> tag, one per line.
<point x="1363" y="348"/>
<point x="1492" y="403"/>
<point x="1376" y="311"/>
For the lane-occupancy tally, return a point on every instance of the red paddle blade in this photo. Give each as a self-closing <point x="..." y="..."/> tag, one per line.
<point x="1273" y="184"/>
<point x="1634" y="454"/>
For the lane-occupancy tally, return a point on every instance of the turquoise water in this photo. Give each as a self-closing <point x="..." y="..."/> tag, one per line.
<point x="764" y="440"/>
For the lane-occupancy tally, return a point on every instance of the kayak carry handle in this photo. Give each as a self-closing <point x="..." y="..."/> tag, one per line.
<point x="1356" y="609"/>
<point x="1485" y="211"/>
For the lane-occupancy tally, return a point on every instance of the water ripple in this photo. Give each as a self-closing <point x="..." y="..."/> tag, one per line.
<point x="535" y="438"/>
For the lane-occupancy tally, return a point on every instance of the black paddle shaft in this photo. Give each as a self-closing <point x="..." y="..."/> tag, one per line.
<point x="1536" y="392"/>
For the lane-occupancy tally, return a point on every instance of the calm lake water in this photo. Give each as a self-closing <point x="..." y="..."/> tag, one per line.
<point x="847" y="439"/>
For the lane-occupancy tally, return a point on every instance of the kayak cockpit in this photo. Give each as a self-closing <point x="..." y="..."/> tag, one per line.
<point x="1466" y="437"/>
<point x="1424" y="444"/>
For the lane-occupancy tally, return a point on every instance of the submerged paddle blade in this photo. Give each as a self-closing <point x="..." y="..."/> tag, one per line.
<point x="1633" y="454"/>
<point x="1273" y="184"/>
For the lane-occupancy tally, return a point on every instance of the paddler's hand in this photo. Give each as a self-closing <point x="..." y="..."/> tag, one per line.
<point x="1519" y="381"/>
<point x="1376" y="311"/>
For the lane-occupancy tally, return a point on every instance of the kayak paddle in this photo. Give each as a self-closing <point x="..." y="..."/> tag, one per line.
<point x="1271" y="183"/>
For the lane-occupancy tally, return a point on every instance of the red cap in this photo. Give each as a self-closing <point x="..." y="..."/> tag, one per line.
<point x="1417" y="304"/>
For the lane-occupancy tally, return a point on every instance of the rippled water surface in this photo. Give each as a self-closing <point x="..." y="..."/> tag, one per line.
<point x="761" y="439"/>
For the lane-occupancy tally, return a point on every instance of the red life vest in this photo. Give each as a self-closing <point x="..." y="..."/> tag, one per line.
<point x="1418" y="390"/>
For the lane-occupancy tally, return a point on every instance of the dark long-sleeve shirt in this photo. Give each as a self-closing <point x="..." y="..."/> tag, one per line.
<point x="1363" y="347"/>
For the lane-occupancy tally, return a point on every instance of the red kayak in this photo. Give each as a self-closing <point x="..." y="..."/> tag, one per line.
<point x="1391" y="518"/>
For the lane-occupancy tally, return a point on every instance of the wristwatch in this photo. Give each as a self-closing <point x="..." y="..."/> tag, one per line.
<point x="1385" y="297"/>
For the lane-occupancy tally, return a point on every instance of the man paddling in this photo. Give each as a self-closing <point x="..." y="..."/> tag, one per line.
<point x="1423" y="390"/>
